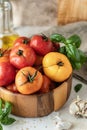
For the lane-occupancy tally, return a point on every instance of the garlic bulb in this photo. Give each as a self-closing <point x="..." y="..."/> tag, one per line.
<point x="78" y="108"/>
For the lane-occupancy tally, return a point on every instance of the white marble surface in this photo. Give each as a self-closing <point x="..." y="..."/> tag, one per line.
<point x="31" y="30"/>
<point x="48" y="122"/>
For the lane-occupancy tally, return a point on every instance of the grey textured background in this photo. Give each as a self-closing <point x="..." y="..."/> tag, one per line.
<point x="35" y="12"/>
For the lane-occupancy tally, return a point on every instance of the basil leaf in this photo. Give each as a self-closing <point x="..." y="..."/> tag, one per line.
<point x="6" y="110"/>
<point x="57" y="38"/>
<point x="77" y="65"/>
<point x="75" y="40"/>
<point x="83" y="56"/>
<point x="77" y="87"/>
<point x="8" y="106"/>
<point x="1" y="128"/>
<point x="7" y="121"/>
<point x="63" y="50"/>
<point x="72" y="52"/>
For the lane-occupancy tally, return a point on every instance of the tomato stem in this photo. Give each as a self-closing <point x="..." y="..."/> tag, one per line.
<point x="25" y="41"/>
<point x="20" y="52"/>
<point x="2" y="52"/>
<point x="45" y="38"/>
<point x="30" y="78"/>
<point x="60" y="63"/>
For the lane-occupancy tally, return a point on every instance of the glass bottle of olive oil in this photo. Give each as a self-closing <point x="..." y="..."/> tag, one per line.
<point x="7" y="33"/>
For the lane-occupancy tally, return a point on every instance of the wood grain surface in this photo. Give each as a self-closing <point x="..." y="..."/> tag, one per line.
<point x="37" y="105"/>
<point x="70" y="11"/>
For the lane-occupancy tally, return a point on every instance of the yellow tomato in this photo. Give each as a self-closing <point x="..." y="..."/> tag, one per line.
<point x="57" y="66"/>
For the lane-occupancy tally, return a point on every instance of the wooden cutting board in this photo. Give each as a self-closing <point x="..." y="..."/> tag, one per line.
<point x="71" y="11"/>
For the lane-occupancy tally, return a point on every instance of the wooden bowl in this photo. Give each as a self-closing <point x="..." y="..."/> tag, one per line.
<point x="38" y="105"/>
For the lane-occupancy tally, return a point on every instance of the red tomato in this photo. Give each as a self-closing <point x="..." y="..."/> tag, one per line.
<point x="56" y="46"/>
<point x="46" y="85"/>
<point x="38" y="61"/>
<point x="12" y="87"/>
<point x="22" y="40"/>
<point x="41" y="44"/>
<point x="7" y="73"/>
<point x="22" y="56"/>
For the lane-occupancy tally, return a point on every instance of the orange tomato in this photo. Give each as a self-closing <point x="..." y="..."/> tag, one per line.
<point x="56" y="66"/>
<point x="28" y="80"/>
<point x="4" y="55"/>
<point x="46" y="85"/>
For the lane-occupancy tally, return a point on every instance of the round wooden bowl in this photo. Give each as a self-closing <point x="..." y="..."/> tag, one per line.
<point x="38" y="105"/>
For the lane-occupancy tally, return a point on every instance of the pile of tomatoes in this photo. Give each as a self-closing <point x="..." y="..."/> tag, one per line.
<point x="33" y="65"/>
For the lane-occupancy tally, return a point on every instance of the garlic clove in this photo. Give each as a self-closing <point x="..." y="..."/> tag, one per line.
<point x="73" y="108"/>
<point x="64" y="125"/>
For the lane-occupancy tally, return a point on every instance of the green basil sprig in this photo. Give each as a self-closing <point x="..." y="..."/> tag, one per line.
<point x="5" y="110"/>
<point x="71" y="49"/>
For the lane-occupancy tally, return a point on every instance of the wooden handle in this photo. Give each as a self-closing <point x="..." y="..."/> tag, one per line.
<point x="70" y="11"/>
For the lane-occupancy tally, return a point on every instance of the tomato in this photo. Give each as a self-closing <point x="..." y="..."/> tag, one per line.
<point x="4" y="55"/>
<point x="28" y="80"/>
<point x="38" y="61"/>
<point x="53" y="85"/>
<point x="56" y="46"/>
<point x="56" y="66"/>
<point x="41" y="44"/>
<point x="22" y="56"/>
<point x="46" y="85"/>
<point x="22" y="40"/>
<point x="7" y="73"/>
<point x="12" y="87"/>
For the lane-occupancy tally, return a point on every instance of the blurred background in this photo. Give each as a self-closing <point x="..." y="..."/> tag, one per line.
<point x="34" y="12"/>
